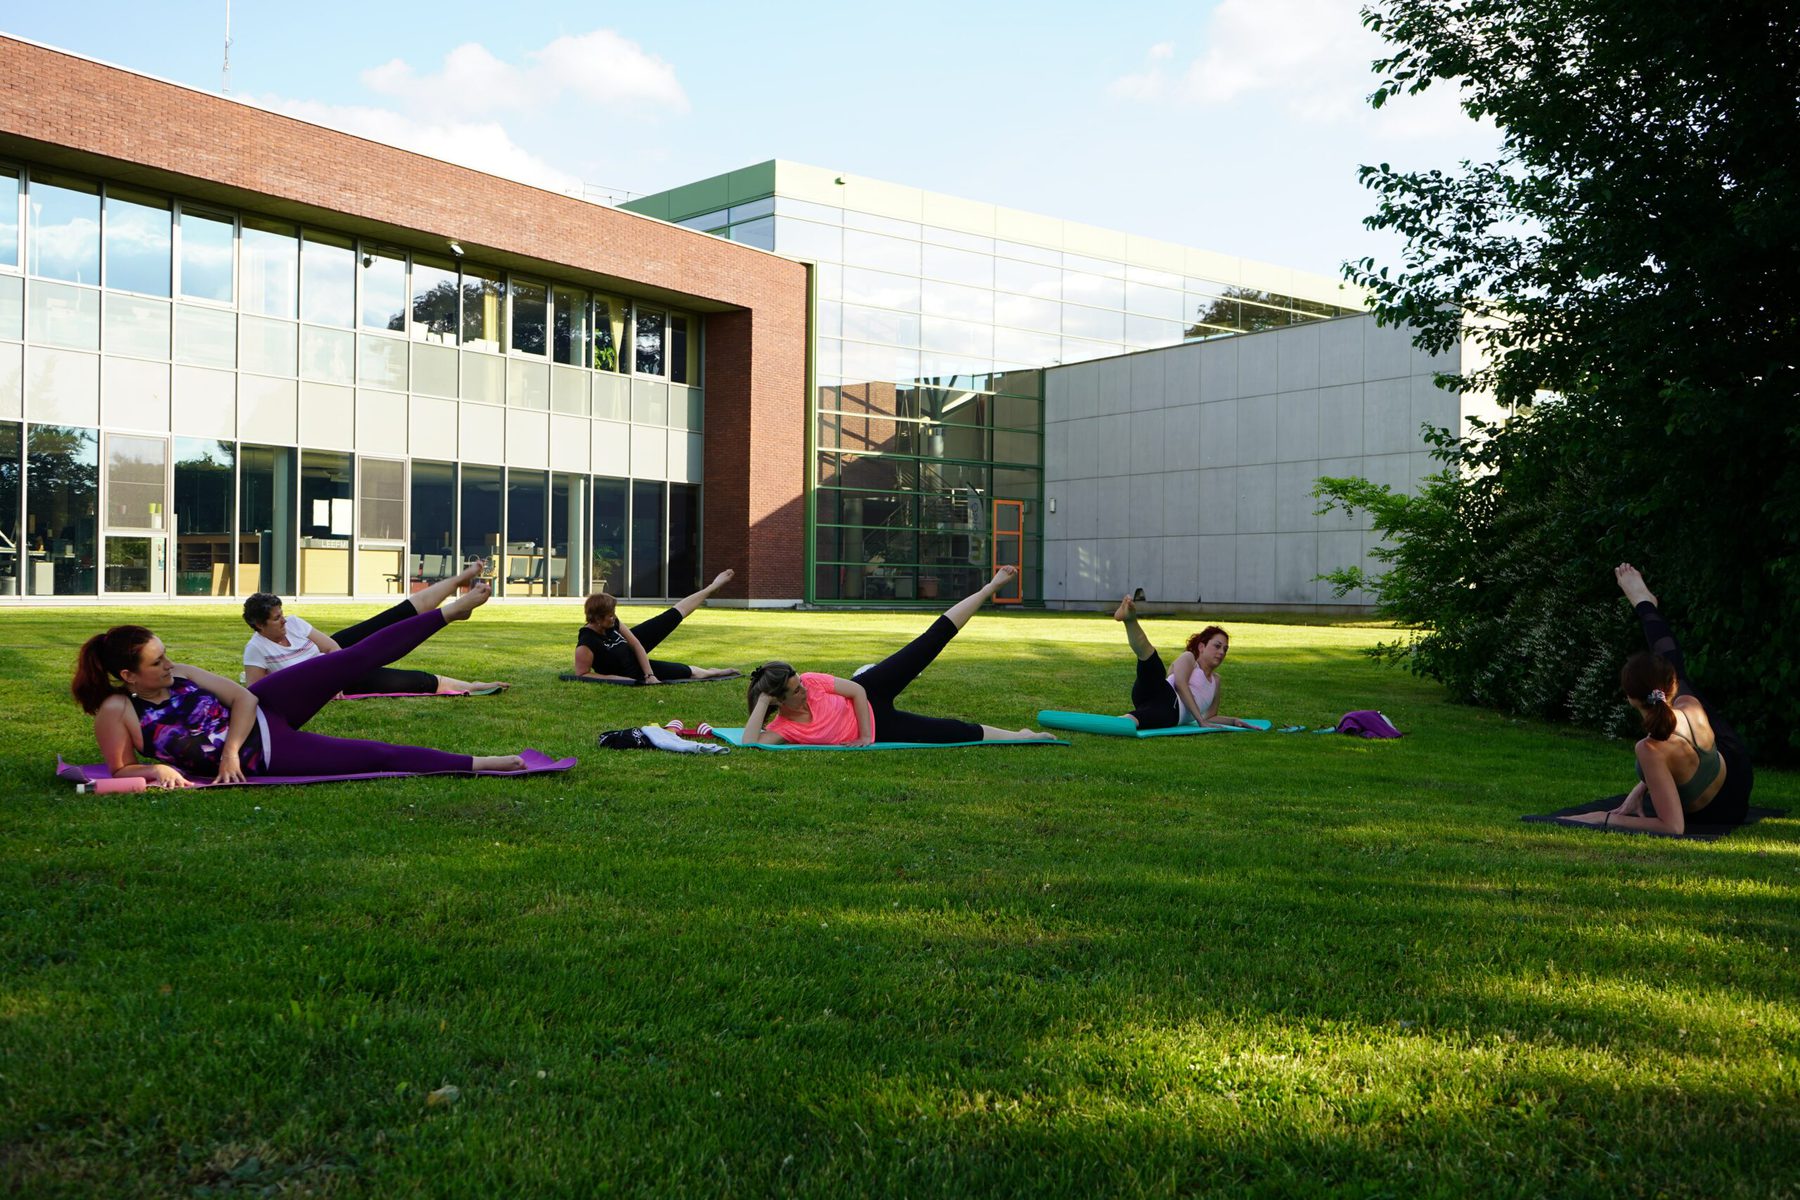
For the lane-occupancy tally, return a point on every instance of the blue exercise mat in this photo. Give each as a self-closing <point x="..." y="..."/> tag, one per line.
<point x="1081" y="722"/>
<point x="736" y="738"/>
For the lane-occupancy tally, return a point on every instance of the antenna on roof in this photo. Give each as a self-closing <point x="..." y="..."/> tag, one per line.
<point x="225" y="72"/>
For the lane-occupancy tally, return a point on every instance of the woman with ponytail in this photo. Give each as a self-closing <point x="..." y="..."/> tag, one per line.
<point x="1690" y="761"/>
<point x="815" y="709"/>
<point x="196" y="723"/>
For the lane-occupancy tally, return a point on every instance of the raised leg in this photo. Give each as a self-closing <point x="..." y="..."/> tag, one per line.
<point x="651" y="633"/>
<point x="1134" y="633"/>
<point x="299" y="692"/>
<point x="428" y="598"/>
<point x="687" y="604"/>
<point x="959" y="613"/>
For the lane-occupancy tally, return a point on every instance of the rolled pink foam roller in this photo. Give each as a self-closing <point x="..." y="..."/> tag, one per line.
<point x="131" y="783"/>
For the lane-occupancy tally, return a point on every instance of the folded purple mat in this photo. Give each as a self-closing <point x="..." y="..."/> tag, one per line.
<point x="419" y="695"/>
<point x="536" y="762"/>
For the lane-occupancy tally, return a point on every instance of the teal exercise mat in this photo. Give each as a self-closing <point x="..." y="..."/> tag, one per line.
<point x="1080" y="722"/>
<point x="736" y="738"/>
<point x="571" y="677"/>
<point x="1699" y="829"/>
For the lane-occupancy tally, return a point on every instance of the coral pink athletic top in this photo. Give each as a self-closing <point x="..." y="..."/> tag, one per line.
<point x="834" y="716"/>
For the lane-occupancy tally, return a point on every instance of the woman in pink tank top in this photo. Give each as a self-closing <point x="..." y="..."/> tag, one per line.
<point x="1187" y="695"/>
<point x="815" y="709"/>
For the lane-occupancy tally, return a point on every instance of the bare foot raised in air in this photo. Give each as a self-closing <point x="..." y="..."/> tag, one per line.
<point x="1126" y="610"/>
<point x="1631" y="582"/>
<point x="471" y="573"/>
<point x="499" y="762"/>
<point x="721" y="579"/>
<point x="1002" y="576"/>
<point x="460" y="608"/>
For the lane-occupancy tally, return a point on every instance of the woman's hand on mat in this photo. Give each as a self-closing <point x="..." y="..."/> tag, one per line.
<point x="230" y="771"/>
<point x="168" y="777"/>
<point x="864" y="739"/>
<point x="650" y="679"/>
<point x="1593" y="818"/>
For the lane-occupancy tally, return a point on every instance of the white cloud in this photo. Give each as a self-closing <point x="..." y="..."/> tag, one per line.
<point x="1311" y="58"/>
<point x="600" y="66"/>
<point x="482" y="145"/>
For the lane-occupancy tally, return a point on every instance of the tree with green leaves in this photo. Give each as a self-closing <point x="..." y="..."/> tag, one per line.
<point x="1628" y="271"/>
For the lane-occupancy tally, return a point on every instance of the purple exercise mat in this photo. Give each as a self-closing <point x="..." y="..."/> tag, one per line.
<point x="536" y="763"/>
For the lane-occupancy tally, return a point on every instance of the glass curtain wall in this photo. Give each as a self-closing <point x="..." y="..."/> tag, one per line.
<point x="612" y="509"/>
<point x="205" y="517"/>
<point x="527" y="530"/>
<point x="12" y="468"/>
<point x="647" y="524"/>
<point x="433" y="542"/>
<point x="62" y="495"/>
<point x="120" y="306"/>
<point x="480" y="536"/>
<point x="267" y="520"/>
<point x="327" y="516"/>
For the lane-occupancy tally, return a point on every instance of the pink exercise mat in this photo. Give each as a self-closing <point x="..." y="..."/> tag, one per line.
<point x="536" y="763"/>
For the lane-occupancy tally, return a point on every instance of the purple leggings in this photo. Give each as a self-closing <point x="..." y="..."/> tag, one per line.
<point x="290" y="698"/>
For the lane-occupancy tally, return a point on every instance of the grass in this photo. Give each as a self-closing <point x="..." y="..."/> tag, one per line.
<point x="1243" y="964"/>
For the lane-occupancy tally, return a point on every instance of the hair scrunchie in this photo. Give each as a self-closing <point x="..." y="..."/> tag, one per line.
<point x="1657" y="696"/>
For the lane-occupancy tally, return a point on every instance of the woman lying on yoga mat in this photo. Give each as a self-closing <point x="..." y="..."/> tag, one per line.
<point x="1187" y="695"/>
<point x="204" y="724"/>
<point x="822" y="710"/>
<point x="280" y="641"/>
<point x="1691" y="760"/>
<point x="607" y="649"/>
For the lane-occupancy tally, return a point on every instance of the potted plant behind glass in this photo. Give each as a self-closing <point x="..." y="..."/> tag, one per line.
<point x="605" y="566"/>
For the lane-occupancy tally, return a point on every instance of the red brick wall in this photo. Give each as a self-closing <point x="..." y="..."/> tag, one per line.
<point x="56" y="103"/>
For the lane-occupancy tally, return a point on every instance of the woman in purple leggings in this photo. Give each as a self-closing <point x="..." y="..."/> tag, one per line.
<point x="193" y="721"/>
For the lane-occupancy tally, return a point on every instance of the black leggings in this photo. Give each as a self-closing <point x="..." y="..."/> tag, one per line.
<point x="384" y="680"/>
<point x="649" y="635"/>
<point x="1153" y="702"/>
<point x="1733" y="801"/>
<point x="888" y="678"/>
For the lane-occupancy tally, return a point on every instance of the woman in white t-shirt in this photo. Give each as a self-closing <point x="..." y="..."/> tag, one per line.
<point x="1188" y="694"/>
<point x="279" y="640"/>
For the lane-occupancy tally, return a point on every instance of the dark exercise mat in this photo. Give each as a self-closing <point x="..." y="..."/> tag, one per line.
<point x="571" y="677"/>
<point x="1698" y="830"/>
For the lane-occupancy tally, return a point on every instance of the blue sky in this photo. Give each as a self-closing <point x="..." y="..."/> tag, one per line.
<point x="1236" y="125"/>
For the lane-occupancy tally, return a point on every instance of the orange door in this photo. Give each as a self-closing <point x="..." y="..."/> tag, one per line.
<point x="1009" y="548"/>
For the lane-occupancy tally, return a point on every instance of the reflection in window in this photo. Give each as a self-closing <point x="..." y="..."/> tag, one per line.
<point x="326" y="521"/>
<point x="266" y="507"/>
<point x="648" y="342"/>
<point x="759" y="233"/>
<point x="684" y="353"/>
<point x="611" y="505"/>
<point x="530" y="317"/>
<point x="135" y="493"/>
<point x="9" y="224"/>
<point x="647" y="538"/>
<point x="204" y="522"/>
<point x="206" y="246"/>
<point x="59" y="315"/>
<point x="384" y="299"/>
<point x="684" y="538"/>
<point x="481" y="517"/>
<point x="65" y="230"/>
<point x="381" y="528"/>
<point x="435" y="299"/>
<point x="568" y="506"/>
<point x="609" y="332"/>
<point x="483" y="300"/>
<point x="62" y="490"/>
<point x="527" y="529"/>
<point x="569" y="335"/>
<point x="881" y="253"/>
<point x="138" y="240"/>
<point x="205" y="337"/>
<point x="327" y="281"/>
<point x="433" y="521"/>
<point x="270" y="267"/>
<point x="12" y="557"/>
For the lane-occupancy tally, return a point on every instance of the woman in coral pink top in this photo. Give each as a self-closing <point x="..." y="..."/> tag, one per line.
<point x="812" y="709"/>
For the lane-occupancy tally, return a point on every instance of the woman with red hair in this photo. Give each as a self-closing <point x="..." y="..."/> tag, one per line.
<point x="1189" y="693"/>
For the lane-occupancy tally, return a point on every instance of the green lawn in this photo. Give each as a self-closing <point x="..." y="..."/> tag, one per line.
<point x="1248" y="964"/>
